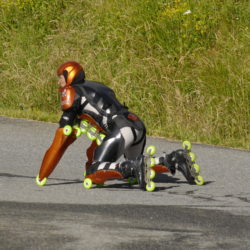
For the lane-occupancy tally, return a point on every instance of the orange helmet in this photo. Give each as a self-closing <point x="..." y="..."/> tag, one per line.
<point x="70" y="70"/>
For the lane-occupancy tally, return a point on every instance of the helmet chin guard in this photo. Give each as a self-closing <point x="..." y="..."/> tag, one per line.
<point x="69" y="70"/>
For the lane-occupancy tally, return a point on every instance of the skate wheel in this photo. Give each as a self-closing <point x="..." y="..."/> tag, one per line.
<point x="199" y="180"/>
<point x="78" y="131"/>
<point x="99" y="139"/>
<point x="196" y="168"/>
<point x="132" y="180"/>
<point x="152" y="162"/>
<point x="91" y="134"/>
<point x="152" y="174"/>
<point x="87" y="183"/>
<point x="151" y="150"/>
<point x="41" y="183"/>
<point x="150" y="187"/>
<point x="187" y="145"/>
<point x="192" y="156"/>
<point x="100" y="185"/>
<point x="67" y="130"/>
<point x="84" y="126"/>
<point x="84" y="173"/>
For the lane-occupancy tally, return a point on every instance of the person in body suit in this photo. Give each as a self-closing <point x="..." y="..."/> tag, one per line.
<point x="125" y="133"/>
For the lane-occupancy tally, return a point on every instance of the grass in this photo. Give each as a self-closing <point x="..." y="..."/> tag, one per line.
<point x="183" y="66"/>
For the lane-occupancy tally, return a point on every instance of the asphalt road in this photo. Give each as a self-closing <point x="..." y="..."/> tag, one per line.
<point x="64" y="215"/>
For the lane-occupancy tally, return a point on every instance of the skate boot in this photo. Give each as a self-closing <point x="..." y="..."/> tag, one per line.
<point x="182" y="163"/>
<point x="182" y="160"/>
<point x="140" y="171"/>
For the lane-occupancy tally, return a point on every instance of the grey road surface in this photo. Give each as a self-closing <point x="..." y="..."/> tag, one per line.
<point x="64" y="215"/>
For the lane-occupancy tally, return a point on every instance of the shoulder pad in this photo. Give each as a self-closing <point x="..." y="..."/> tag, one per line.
<point x="67" y="97"/>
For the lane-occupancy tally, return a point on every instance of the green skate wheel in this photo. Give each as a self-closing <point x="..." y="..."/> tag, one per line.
<point x="84" y="125"/>
<point x="132" y="180"/>
<point x="99" y="139"/>
<point x="199" y="180"/>
<point x="152" y="162"/>
<point x="196" y="168"/>
<point x="151" y="150"/>
<point x="187" y="145"/>
<point x="192" y="156"/>
<point x="150" y="187"/>
<point x="78" y="131"/>
<point x="84" y="173"/>
<point x="41" y="183"/>
<point x="101" y="185"/>
<point x="87" y="183"/>
<point x="152" y="174"/>
<point x="67" y="130"/>
<point x="91" y="134"/>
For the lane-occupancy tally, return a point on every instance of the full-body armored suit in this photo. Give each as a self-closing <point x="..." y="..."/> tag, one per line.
<point x="95" y="102"/>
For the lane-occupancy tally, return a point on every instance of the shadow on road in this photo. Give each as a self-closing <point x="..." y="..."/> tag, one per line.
<point x="164" y="178"/>
<point x="65" y="181"/>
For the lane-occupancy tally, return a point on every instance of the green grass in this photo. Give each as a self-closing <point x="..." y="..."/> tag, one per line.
<point x="186" y="75"/>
